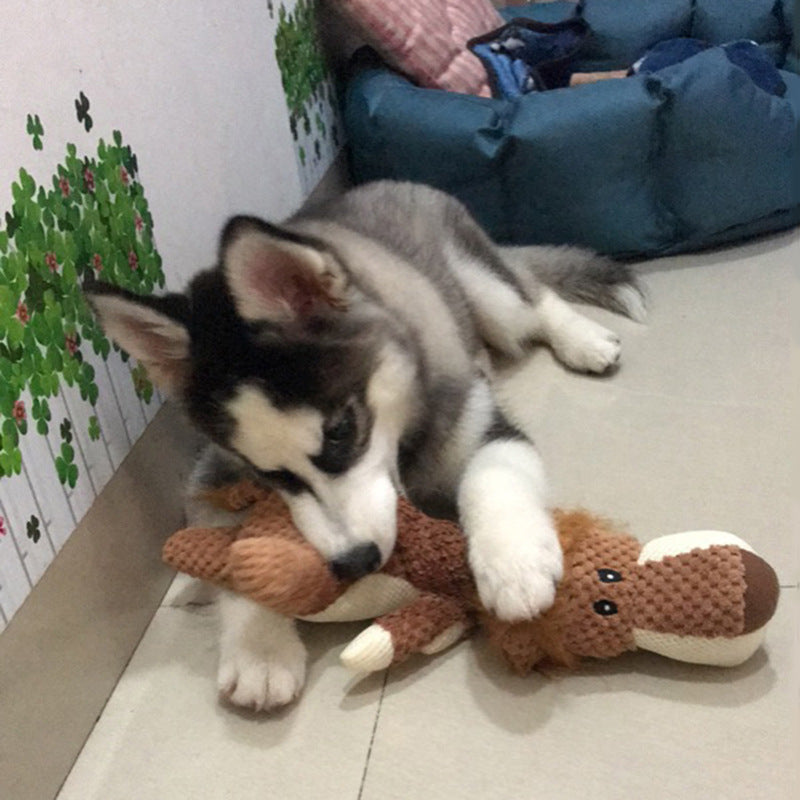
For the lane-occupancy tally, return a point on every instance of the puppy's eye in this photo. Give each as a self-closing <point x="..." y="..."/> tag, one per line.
<point x="605" y="608"/>
<point x="342" y="430"/>
<point x="609" y="576"/>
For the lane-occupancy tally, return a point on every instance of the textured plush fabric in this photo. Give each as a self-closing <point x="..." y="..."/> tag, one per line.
<point x="703" y="597"/>
<point x="426" y="39"/>
<point x="693" y="156"/>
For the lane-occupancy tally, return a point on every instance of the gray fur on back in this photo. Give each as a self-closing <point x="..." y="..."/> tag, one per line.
<point x="397" y="242"/>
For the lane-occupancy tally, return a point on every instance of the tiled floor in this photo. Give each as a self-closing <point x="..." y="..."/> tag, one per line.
<point x="698" y="429"/>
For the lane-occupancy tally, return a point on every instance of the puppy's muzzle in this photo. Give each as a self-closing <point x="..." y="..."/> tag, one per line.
<point x="356" y="562"/>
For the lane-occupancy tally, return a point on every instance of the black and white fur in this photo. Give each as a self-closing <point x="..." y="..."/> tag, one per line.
<point x="339" y="357"/>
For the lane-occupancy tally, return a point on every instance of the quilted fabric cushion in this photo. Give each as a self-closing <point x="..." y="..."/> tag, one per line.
<point x="426" y="39"/>
<point x="693" y="156"/>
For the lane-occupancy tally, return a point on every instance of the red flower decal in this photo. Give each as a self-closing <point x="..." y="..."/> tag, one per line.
<point x="133" y="261"/>
<point x="138" y="222"/>
<point x="19" y="411"/>
<point x="50" y="260"/>
<point x="63" y="184"/>
<point x="22" y="313"/>
<point x="71" y="343"/>
<point x="123" y="176"/>
<point x="97" y="262"/>
<point x="88" y="176"/>
<point x="3" y="530"/>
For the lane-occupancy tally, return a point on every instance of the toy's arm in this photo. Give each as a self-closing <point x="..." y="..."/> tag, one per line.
<point x="288" y="576"/>
<point x="200" y="552"/>
<point x="427" y="625"/>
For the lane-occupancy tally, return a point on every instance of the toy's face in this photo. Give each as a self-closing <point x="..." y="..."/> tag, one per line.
<point x="597" y="597"/>
<point x="702" y="596"/>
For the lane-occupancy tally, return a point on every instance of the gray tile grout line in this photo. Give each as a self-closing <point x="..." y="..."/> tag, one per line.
<point x="372" y="737"/>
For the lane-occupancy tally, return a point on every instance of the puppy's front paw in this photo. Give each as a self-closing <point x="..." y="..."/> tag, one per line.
<point x="262" y="681"/>
<point x="516" y="582"/>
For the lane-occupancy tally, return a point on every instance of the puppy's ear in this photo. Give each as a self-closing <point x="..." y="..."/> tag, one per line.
<point x="276" y="276"/>
<point x="151" y="329"/>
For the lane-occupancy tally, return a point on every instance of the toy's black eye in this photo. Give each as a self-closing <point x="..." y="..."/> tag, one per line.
<point x="609" y="576"/>
<point x="605" y="607"/>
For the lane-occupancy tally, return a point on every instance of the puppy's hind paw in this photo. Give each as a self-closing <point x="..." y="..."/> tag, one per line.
<point x="587" y="347"/>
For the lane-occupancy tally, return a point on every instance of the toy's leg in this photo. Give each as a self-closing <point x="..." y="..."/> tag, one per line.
<point x="262" y="661"/>
<point x="428" y="625"/>
<point x="513" y="548"/>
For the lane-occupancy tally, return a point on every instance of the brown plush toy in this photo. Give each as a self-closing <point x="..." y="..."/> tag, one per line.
<point x="702" y="597"/>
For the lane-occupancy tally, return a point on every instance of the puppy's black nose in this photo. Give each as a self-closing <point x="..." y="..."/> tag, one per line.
<point x="355" y="563"/>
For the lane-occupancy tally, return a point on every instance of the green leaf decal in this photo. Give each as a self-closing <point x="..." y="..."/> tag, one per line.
<point x="32" y="529"/>
<point x="91" y="218"/>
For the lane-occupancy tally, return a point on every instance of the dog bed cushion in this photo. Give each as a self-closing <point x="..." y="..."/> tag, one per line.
<point x="693" y="155"/>
<point x="426" y="39"/>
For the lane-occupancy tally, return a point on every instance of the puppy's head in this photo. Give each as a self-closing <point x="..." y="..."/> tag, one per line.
<point x="278" y="357"/>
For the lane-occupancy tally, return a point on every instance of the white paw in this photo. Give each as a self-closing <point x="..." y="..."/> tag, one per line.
<point x="586" y="346"/>
<point x="262" y="681"/>
<point x="516" y="579"/>
<point x="262" y="662"/>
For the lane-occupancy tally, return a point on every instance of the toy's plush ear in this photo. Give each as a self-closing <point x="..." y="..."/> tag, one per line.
<point x="151" y="329"/>
<point x="277" y="276"/>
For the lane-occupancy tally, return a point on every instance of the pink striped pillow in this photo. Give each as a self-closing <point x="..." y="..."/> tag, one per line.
<point x="426" y="39"/>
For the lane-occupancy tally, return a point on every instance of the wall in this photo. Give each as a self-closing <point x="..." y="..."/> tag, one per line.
<point x="128" y="132"/>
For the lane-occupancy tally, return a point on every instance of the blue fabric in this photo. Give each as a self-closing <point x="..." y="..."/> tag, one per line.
<point x="754" y="61"/>
<point x="693" y="155"/>
<point x="511" y="76"/>
<point x="524" y="57"/>
<point x="621" y="37"/>
<point x="744" y="53"/>
<point x="669" y="52"/>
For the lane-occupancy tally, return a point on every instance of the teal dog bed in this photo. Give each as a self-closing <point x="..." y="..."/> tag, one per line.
<point x="687" y="157"/>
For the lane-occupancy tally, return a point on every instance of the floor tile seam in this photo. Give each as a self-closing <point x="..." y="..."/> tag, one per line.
<point x="372" y="735"/>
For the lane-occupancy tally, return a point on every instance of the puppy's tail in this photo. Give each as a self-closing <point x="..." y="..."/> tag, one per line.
<point x="582" y="276"/>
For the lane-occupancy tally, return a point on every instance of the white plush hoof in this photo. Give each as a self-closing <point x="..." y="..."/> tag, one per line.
<point x="370" y="651"/>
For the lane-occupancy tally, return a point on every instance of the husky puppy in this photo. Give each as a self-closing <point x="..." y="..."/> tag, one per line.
<point x="338" y="357"/>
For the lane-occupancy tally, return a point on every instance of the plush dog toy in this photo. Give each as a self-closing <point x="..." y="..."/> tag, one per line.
<point x="702" y="597"/>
